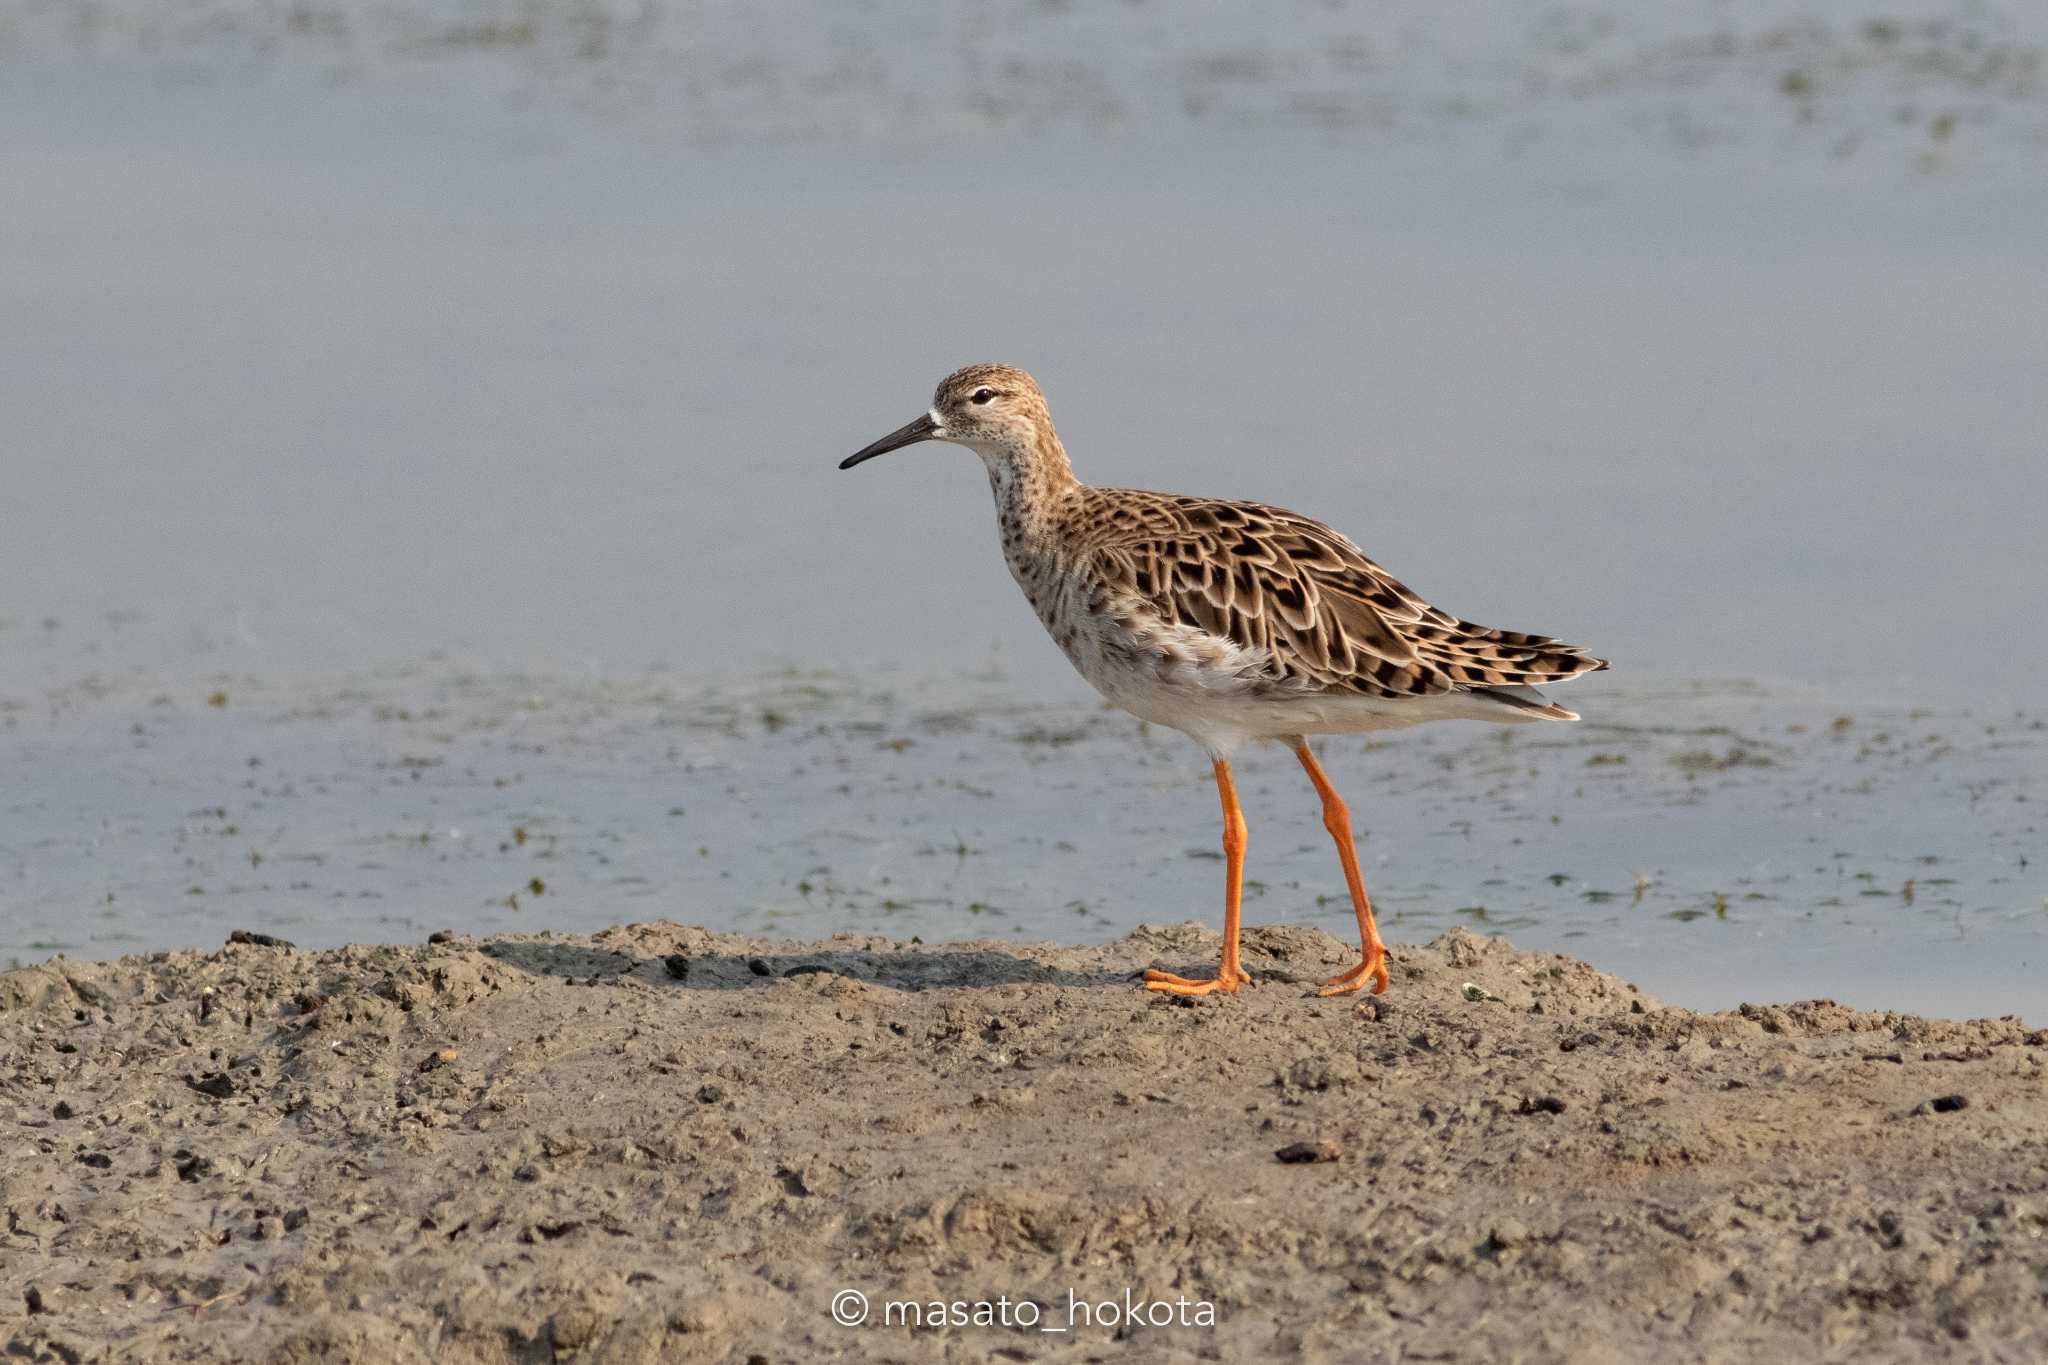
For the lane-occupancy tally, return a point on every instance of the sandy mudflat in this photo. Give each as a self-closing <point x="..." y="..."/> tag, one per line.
<point x="534" y="1148"/>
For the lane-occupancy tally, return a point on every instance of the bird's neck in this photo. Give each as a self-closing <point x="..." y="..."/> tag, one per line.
<point x="1030" y="483"/>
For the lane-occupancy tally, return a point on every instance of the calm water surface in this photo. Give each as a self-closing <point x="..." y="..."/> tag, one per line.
<point x="1715" y="843"/>
<point x="324" y="358"/>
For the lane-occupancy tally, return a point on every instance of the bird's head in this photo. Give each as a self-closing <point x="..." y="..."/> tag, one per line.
<point x="996" y="411"/>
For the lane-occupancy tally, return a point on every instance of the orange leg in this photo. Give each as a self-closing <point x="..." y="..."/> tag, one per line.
<point x="1229" y="976"/>
<point x="1337" y="820"/>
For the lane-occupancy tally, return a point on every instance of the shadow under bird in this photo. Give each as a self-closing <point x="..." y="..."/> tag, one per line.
<point x="1228" y="621"/>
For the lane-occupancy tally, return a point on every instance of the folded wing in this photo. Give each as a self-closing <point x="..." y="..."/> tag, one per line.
<point x="1325" y="616"/>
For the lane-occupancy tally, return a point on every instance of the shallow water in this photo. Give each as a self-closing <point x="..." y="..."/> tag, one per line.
<point x="309" y="378"/>
<point x="1713" y="843"/>
<point x="336" y="347"/>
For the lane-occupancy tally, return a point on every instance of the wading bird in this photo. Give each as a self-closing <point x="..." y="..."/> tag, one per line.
<point x="1228" y="621"/>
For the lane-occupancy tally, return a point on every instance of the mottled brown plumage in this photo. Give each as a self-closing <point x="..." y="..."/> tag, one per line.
<point x="1276" y="582"/>
<point x="1229" y="621"/>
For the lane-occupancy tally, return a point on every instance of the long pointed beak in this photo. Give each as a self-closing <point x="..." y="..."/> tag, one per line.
<point x="923" y="429"/>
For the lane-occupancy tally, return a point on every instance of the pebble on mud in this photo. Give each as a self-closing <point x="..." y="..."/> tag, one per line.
<point x="217" y="1084"/>
<point x="1507" y="1232"/>
<point x="251" y="937"/>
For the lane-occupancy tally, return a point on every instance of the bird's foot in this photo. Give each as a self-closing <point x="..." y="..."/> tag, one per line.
<point x="1373" y="968"/>
<point x="1225" y="983"/>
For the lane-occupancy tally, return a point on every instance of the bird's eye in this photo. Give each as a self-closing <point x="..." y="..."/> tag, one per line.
<point x="981" y="395"/>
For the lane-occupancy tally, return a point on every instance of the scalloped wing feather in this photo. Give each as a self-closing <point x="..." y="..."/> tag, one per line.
<point x="1326" y="617"/>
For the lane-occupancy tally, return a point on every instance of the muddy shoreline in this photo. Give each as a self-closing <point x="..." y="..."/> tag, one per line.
<point x="658" y="1142"/>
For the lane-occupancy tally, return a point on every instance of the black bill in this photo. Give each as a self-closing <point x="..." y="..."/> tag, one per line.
<point x="923" y="429"/>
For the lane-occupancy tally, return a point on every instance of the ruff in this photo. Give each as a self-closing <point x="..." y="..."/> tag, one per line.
<point x="1228" y="621"/>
